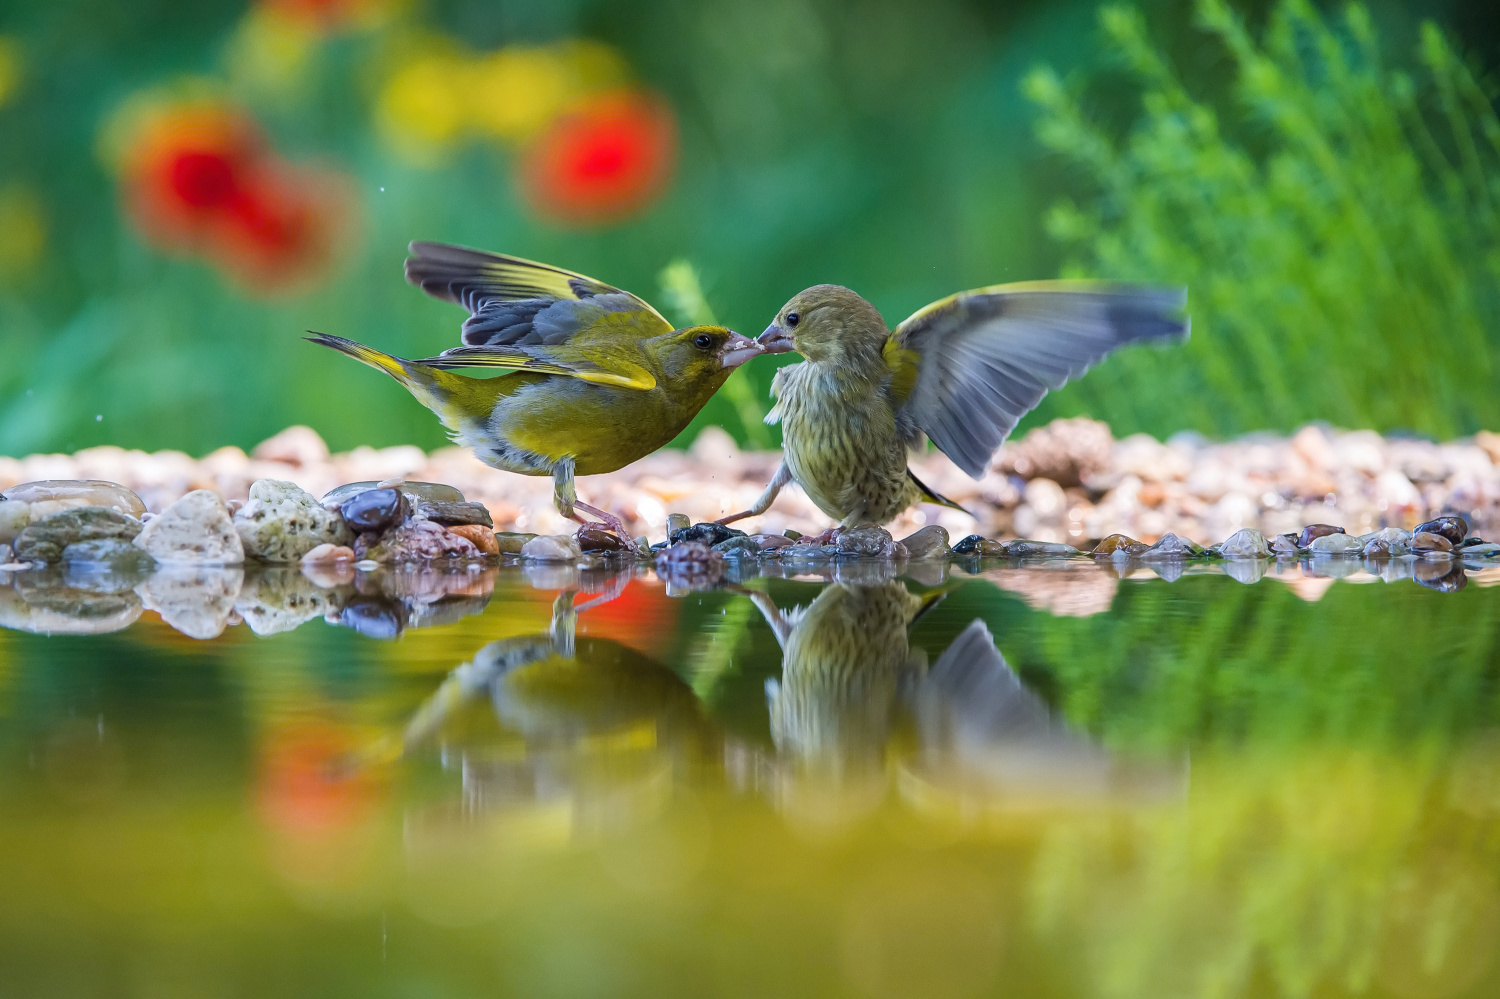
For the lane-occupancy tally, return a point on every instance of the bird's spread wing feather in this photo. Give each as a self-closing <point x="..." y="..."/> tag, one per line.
<point x="964" y="370"/>
<point x="518" y="302"/>
<point x="586" y="366"/>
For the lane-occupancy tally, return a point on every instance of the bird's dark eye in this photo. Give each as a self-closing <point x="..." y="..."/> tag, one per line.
<point x="703" y="341"/>
<point x="793" y="318"/>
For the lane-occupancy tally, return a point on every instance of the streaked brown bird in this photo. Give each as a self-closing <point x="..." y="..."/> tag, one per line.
<point x="960" y="372"/>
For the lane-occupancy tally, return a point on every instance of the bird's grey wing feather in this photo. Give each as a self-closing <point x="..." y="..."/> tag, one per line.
<point x="512" y="301"/>
<point x="986" y="357"/>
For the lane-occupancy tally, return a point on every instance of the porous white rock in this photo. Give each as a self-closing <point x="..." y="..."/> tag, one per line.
<point x="195" y="530"/>
<point x="552" y="548"/>
<point x="281" y="522"/>
<point x="14" y="516"/>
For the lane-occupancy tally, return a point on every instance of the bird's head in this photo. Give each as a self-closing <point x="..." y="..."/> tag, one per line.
<point x="701" y="354"/>
<point x="826" y="323"/>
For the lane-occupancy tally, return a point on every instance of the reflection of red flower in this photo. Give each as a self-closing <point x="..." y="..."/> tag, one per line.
<point x="201" y="179"/>
<point x="642" y="617"/>
<point x="321" y="15"/>
<point x="310" y="781"/>
<point x="606" y="159"/>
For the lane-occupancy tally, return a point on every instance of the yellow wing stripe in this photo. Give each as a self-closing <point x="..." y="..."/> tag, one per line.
<point x="1014" y="288"/>
<point x="630" y="376"/>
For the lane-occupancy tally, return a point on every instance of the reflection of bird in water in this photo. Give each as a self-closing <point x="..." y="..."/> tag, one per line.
<point x="576" y="702"/>
<point x="849" y="679"/>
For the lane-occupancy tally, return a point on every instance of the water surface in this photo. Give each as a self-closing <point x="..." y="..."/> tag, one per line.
<point x="1021" y="781"/>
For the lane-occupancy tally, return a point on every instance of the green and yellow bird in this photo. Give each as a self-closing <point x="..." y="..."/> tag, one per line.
<point x="596" y="377"/>
<point x="961" y="372"/>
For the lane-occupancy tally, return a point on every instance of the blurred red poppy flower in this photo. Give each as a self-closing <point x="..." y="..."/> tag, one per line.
<point x="201" y="179"/>
<point x="323" y="15"/>
<point x="603" y="160"/>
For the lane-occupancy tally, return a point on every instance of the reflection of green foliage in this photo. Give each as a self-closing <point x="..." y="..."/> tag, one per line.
<point x="1347" y="274"/>
<point x="1365" y="664"/>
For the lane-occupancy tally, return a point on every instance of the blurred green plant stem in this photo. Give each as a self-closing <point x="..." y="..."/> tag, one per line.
<point x="1347" y="273"/>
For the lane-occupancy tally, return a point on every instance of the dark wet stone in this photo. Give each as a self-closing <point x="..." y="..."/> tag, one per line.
<point x="1471" y="541"/>
<point x="1486" y="549"/>
<point x="1452" y="528"/>
<point x="1313" y="531"/>
<point x="968" y="545"/>
<point x="1285" y="544"/>
<point x="457" y="514"/>
<point x="1426" y="541"/>
<point x="1172" y="547"/>
<point x="432" y="492"/>
<point x="593" y="539"/>
<point x="115" y="554"/>
<point x="706" y="534"/>
<point x="866" y="542"/>
<point x="373" y="509"/>
<point x="1442" y="575"/>
<point x="738" y="548"/>
<point x="45" y="539"/>
<point x="374" y="618"/>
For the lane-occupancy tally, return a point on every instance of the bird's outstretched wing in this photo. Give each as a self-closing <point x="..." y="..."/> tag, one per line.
<point x="599" y="367"/>
<point x="515" y="302"/>
<point x="967" y="368"/>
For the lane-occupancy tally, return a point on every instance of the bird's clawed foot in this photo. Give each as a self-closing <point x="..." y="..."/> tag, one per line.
<point x="610" y="523"/>
<point x="828" y="537"/>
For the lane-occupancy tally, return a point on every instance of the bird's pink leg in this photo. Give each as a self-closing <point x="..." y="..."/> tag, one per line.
<point x="610" y="522"/>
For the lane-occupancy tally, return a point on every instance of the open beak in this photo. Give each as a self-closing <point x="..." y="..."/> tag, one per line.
<point x="738" y="349"/>
<point x="775" y="340"/>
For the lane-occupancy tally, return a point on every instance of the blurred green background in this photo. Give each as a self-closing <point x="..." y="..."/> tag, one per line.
<point x="1325" y="181"/>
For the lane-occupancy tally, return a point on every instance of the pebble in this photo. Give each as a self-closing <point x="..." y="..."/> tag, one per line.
<point x="771" y="542"/>
<point x="281" y="522"/>
<point x="1336" y="544"/>
<point x="1245" y="543"/>
<point x="1452" y="528"/>
<point x="118" y="554"/>
<point x="678" y="522"/>
<point x="14" y="516"/>
<point x="480" y="536"/>
<point x="456" y="514"/>
<point x="1285" y="544"/>
<point x="511" y="542"/>
<point x="1111" y="544"/>
<point x="688" y="555"/>
<point x="1031" y="549"/>
<point x="1390" y="535"/>
<point x="866" y="542"/>
<point x="737" y="548"/>
<point x="44" y="540"/>
<point x="552" y="548"/>
<point x="195" y="529"/>
<point x="328" y="553"/>
<point x="707" y="534"/>
<point x="1381" y="548"/>
<point x="1426" y="541"/>
<point x="48" y="496"/>
<point x="432" y="492"/>
<point x="594" y="539"/>
<point x="7" y="553"/>
<point x="929" y="542"/>
<point x="968" y="545"/>
<point x="1486" y="549"/>
<point x="1312" y="532"/>
<point x="1170" y="547"/>
<point x="414" y="541"/>
<point x="373" y="509"/>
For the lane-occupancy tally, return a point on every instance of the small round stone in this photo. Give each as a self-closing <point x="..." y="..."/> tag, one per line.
<point x="1245" y="543"/>
<point x="929" y="542"/>
<point x="708" y="534"/>
<point x="1336" y="544"/>
<point x="968" y="545"/>
<point x="373" y="509"/>
<point x="1109" y="545"/>
<point x="1452" y="528"/>
<point x="479" y="536"/>
<point x="745" y="547"/>
<point x="1312" y="532"/>
<point x="594" y="539"/>
<point x="1426" y="541"/>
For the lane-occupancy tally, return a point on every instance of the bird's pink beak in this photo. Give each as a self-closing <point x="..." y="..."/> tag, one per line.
<point x="738" y="349"/>
<point x="775" y="340"/>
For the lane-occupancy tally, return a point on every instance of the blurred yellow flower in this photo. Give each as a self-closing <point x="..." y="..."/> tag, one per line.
<point x="519" y="89"/>
<point x="436" y="100"/>
<point x="270" y="52"/>
<point x="10" y="68"/>
<point x="23" y="230"/>
<point x="422" y="109"/>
